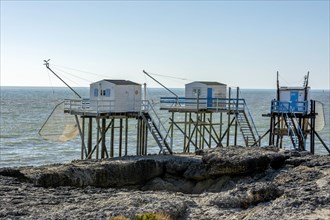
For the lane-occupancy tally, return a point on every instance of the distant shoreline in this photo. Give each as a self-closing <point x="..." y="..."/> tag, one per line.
<point x="64" y="87"/>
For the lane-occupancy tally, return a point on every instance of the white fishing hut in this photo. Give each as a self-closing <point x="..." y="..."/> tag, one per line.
<point x="206" y="92"/>
<point x="116" y="95"/>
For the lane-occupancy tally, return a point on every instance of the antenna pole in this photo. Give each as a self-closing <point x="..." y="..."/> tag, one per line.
<point x="161" y="84"/>
<point x="278" y="88"/>
<point x="47" y="65"/>
<point x="306" y="85"/>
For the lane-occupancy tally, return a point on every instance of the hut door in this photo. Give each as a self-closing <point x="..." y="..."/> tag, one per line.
<point x="294" y="99"/>
<point x="209" y="97"/>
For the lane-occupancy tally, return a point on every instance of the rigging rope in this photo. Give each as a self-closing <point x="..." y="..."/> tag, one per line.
<point x="68" y="79"/>
<point x="81" y="71"/>
<point x="78" y="77"/>
<point x="291" y="83"/>
<point x="172" y="77"/>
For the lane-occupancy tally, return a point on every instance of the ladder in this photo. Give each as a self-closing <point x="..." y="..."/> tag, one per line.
<point x="155" y="132"/>
<point x="245" y="127"/>
<point x="294" y="131"/>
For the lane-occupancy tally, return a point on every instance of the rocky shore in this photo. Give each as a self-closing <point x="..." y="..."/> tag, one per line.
<point x="219" y="183"/>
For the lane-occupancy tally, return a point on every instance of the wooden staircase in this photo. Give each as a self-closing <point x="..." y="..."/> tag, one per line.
<point x="246" y="129"/>
<point x="155" y="132"/>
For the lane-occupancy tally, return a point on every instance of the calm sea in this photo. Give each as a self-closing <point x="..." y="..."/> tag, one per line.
<point x="24" y="110"/>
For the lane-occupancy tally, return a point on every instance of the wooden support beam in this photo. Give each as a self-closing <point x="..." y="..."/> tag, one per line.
<point x="120" y="136"/>
<point x="98" y="142"/>
<point x="227" y="131"/>
<point x="146" y="140"/>
<point x="112" y="138"/>
<point x="210" y="133"/>
<point x="203" y="131"/>
<point x="185" y="131"/>
<point x="187" y="147"/>
<point x="81" y="133"/>
<point x="82" y="136"/>
<point x="97" y="138"/>
<point x="138" y="137"/>
<point x="228" y="113"/>
<point x="323" y="143"/>
<point x="89" y="141"/>
<point x="103" y="132"/>
<point x="217" y="139"/>
<point x="126" y="136"/>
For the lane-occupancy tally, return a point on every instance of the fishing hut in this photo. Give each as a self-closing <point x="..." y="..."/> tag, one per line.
<point x="294" y="115"/>
<point x="207" y="117"/>
<point x="112" y="104"/>
<point x="202" y="89"/>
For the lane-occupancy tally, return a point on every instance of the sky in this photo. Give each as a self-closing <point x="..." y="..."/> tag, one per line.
<point x="239" y="43"/>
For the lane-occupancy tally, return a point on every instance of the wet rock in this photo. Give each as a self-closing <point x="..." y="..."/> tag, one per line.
<point x="178" y="165"/>
<point x="99" y="174"/>
<point x="13" y="172"/>
<point x="219" y="184"/>
<point x="244" y="196"/>
<point x="241" y="160"/>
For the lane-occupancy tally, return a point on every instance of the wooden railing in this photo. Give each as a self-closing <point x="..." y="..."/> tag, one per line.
<point x="289" y="107"/>
<point x="203" y="103"/>
<point x="99" y="106"/>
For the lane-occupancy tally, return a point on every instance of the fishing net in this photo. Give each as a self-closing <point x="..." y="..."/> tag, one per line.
<point x="59" y="126"/>
<point x="320" y="118"/>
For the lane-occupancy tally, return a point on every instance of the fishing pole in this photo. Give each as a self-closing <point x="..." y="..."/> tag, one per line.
<point x="161" y="84"/>
<point x="47" y="65"/>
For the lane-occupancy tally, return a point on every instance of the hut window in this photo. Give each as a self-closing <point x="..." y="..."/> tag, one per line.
<point x="107" y="92"/>
<point x="96" y="92"/>
<point x="196" y="91"/>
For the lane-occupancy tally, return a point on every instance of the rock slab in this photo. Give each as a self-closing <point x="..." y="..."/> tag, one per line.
<point x="221" y="183"/>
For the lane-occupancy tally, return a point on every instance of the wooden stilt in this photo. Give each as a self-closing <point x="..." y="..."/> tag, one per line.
<point x="172" y="133"/>
<point x="229" y="112"/>
<point x="112" y="138"/>
<point x="82" y="135"/>
<point x="103" y="147"/>
<point x="120" y="136"/>
<point x="138" y="138"/>
<point x="89" y="143"/>
<point x="97" y="139"/>
<point x="202" y="143"/>
<point x="142" y="138"/>
<point x="312" y="132"/>
<point x="210" y="133"/>
<point x="81" y="132"/>
<point x="145" y="140"/>
<point x="236" y="113"/>
<point x="189" y="134"/>
<point x="220" y="128"/>
<point x="185" y="131"/>
<point x="126" y="136"/>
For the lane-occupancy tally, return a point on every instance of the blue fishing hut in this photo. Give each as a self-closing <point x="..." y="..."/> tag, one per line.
<point x="205" y="90"/>
<point x="207" y="116"/>
<point x="293" y="114"/>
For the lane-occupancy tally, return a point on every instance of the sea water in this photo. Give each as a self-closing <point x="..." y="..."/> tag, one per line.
<point x="24" y="110"/>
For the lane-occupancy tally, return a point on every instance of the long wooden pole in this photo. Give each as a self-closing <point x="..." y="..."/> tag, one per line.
<point x="229" y="112"/>
<point x="120" y="135"/>
<point x="47" y="65"/>
<point x="126" y="135"/>
<point x="103" y="147"/>
<point x="112" y="138"/>
<point x="89" y="141"/>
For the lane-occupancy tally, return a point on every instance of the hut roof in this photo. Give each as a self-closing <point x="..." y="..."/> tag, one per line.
<point x="210" y="83"/>
<point x="121" y="82"/>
